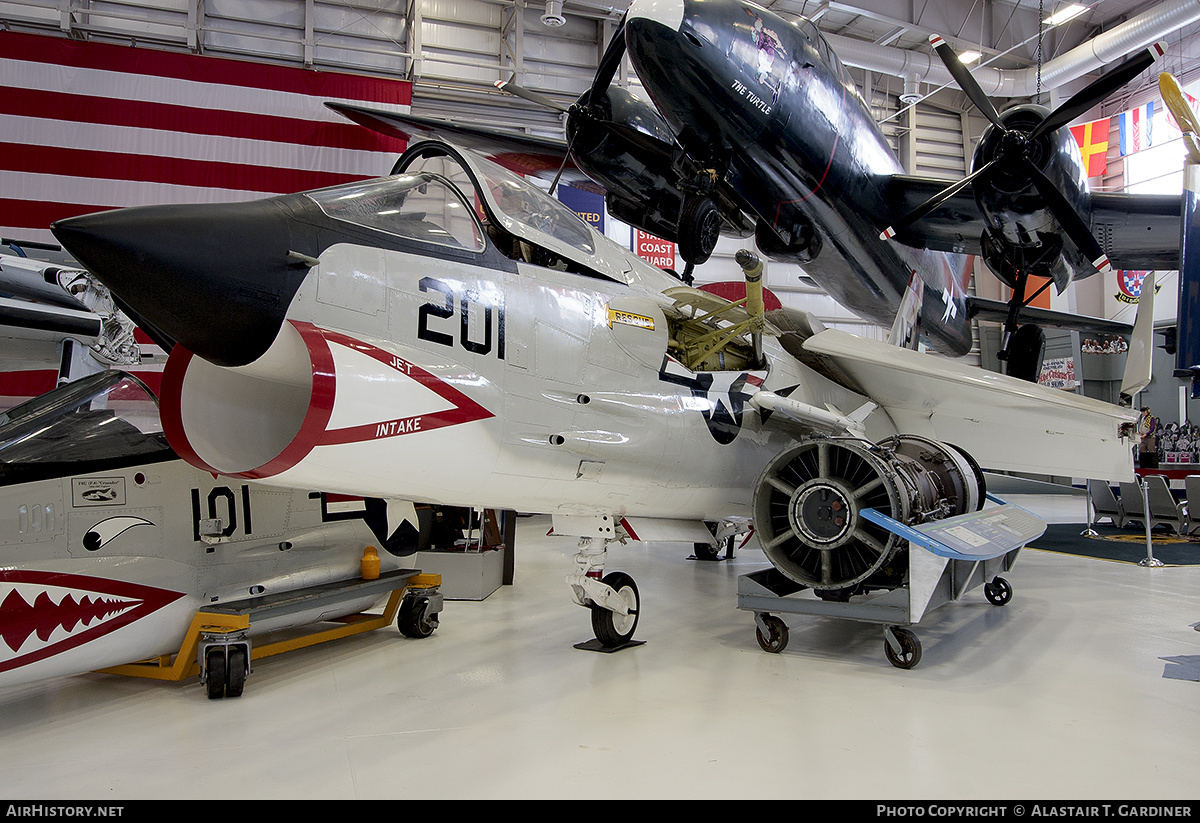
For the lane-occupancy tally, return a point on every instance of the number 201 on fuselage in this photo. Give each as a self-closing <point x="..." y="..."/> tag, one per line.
<point x="436" y="318"/>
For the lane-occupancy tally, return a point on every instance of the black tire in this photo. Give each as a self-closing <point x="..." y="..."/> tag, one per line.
<point x="613" y="629"/>
<point x="699" y="229"/>
<point x="910" y="649"/>
<point x="777" y="638"/>
<point x="706" y="551"/>
<point x="235" y="675"/>
<point x="1026" y="349"/>
<point x="998" y="592"/>
<point x="215" y="672"/>
<point x="414" y="619"/>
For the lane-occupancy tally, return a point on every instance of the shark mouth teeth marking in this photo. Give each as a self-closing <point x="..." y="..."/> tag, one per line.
<point x="46" y="613"/>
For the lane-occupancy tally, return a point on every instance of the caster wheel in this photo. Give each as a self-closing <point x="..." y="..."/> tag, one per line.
<point x="909" y="654"/>
<point x="998" y="592"/>
<point x="613" y="629"/>
<point x="414" y="619"/>
<point x="235" y="676"/>
<point x="214" y="673"/>
<point x="776" y="639"/>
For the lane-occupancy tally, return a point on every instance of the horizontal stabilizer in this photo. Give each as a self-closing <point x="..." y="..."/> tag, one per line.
<point x="1005" y="423"/>
<point x="997" y="310"/>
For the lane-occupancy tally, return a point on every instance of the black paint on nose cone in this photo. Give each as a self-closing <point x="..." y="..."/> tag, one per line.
<point x="216" y="279"/>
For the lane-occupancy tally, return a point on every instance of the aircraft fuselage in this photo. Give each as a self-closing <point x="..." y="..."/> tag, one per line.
<point x="769" y="106"/>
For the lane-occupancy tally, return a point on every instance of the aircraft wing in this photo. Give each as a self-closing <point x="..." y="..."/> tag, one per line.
<point x="1136" y="231"/>
<point x="1005" y="423"/>
<point x="520" y="153"/>
<point x="954" y="226"/>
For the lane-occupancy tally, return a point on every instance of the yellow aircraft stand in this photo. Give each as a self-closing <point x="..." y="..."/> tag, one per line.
<point x="217" y="645"/>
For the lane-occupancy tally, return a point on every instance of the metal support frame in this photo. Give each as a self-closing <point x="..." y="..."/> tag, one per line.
<point x="223" y="626"/>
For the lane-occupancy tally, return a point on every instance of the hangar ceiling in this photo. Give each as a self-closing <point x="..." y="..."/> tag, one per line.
<point x="454" y="50"/>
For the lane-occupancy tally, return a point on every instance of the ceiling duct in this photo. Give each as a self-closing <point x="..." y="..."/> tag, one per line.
<point x="1119" y="42"/>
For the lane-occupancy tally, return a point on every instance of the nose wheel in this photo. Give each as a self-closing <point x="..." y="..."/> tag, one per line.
<point x="613" y="628"/>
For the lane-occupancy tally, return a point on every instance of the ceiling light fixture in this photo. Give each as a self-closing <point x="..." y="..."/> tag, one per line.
<point x="553" y="17"/>
<point x="1064" y="14"/>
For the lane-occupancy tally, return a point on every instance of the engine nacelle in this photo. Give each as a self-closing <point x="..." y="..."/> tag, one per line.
<point x="809" y="499"/>
<point x="1022" y="232"/>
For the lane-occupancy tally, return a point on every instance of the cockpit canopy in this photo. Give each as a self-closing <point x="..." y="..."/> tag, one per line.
<point x="448" y="198"/>
<point x="102" y="421"/>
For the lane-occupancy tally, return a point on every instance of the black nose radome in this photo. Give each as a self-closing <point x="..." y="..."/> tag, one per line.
<point x="216" y="279"/>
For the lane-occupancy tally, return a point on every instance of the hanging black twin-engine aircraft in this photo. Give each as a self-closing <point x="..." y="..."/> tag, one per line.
<point x="756" y="125"/>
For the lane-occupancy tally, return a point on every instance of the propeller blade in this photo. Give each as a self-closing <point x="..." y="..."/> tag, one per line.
<point x="609" y="63"/>
<point x="512" y="88"/>
<point x="1074" y="225"/>
<point x="935" y="201"/>
<point x="1183" y="113"/>
<point x="966" y="81"/>
<point x="1099" y="89"/>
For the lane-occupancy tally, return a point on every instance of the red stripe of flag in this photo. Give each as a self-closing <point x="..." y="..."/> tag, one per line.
<point x="81" y="108"/>
<point x="109" y="165"/>
<point x="106" y="57"/>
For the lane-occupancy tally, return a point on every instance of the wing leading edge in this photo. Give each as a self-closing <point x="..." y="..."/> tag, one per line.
<point x="1005" y="423"/>
<point x="1136" y="231"/>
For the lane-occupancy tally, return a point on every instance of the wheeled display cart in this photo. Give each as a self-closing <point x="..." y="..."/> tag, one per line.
<point x="946" y="559"/>
<point x="218" y="648"/>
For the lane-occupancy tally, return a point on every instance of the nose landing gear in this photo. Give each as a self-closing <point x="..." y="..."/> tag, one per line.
<point x="613" y="599"/>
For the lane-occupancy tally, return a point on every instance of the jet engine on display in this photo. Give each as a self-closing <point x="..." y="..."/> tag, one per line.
<point x="453" y="335"/>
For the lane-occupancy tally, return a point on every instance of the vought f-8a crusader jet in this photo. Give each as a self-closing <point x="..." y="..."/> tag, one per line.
<point x="450" y="334"/>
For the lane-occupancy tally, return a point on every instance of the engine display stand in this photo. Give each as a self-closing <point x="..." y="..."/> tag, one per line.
<point x="947" y="558"/>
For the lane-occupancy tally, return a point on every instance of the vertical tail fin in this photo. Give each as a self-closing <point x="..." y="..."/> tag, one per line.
<point x="906" y="328"/>
<point x="1187" y="352"/>
<point x="1141" y="342"/>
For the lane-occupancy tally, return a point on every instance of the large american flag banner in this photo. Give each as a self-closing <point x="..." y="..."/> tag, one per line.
<point x="90" y="126"/>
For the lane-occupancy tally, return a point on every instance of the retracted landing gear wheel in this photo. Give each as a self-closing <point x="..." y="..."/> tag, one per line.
<point x="214" y="673"/>
<point x="699" y="229"/>
<point x="998" y="592"/>
<point x="610" y="628"/>
<point x="909" y="654"/>
<point x="776" y="638"/>
<point x="414" y="619"/>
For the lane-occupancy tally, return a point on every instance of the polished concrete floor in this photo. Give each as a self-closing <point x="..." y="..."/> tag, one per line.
<point x="1061" y="694"/>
